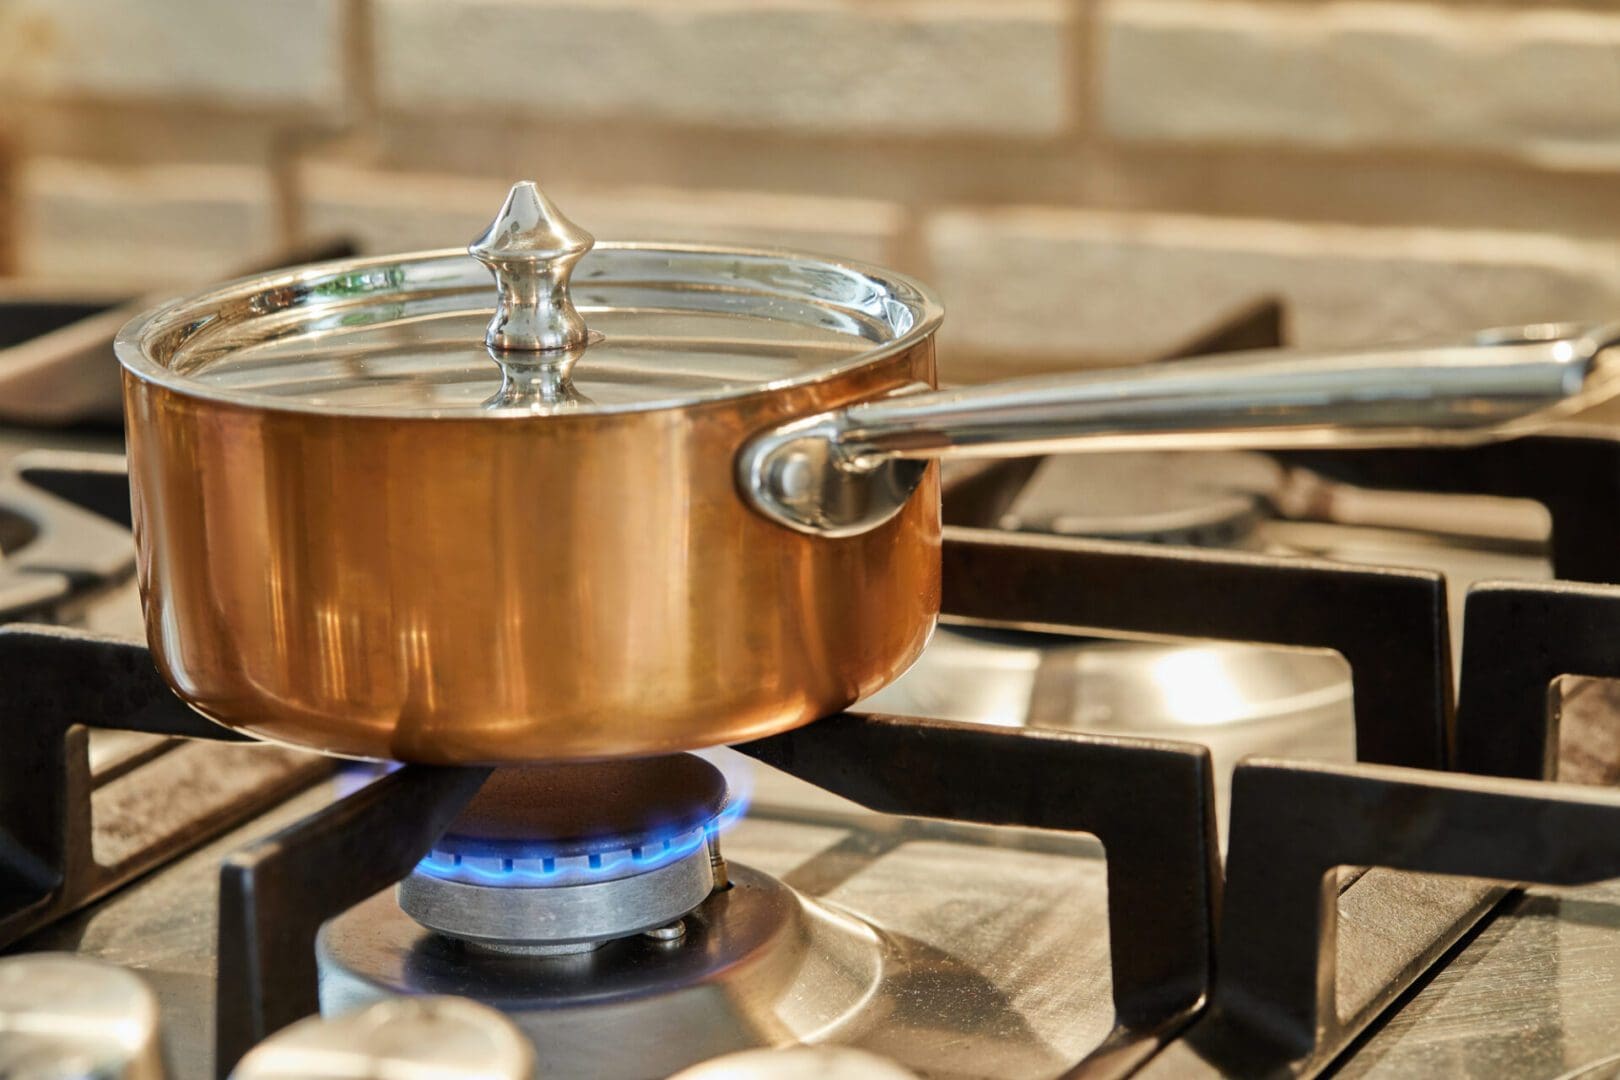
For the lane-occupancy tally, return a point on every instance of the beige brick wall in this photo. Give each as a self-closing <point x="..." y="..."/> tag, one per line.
<point x="389" y="210"/>
<point x="926" y="67"/>
<point x="1083" y="180"/>
<point x="112" y="225"/>
<point x="286" y="53"/>
<point x="1538" y="84"/>
<point x="1049" y="283"/>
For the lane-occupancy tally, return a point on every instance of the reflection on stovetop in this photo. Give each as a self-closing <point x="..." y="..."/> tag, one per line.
<point x="1234" y="698"/>
<point x="1536" y="990"/>
<point x="1534" y="994"/>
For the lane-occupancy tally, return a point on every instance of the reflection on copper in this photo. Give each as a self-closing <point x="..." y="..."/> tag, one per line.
<point x="539" y="383"/>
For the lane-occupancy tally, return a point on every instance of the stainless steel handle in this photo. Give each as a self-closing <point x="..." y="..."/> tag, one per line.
<point x="842" y="473"/>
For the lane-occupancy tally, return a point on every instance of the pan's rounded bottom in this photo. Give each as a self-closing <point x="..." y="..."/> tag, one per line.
<point x="507" y="739"/>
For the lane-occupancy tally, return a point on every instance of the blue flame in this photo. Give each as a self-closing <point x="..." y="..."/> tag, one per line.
<point x="354" y="774"/>
<point x="505" y="872"/>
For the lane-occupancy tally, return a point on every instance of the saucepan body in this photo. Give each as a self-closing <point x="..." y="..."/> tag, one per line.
<point x="460" y="591"/>
<point x="509" y="587"/>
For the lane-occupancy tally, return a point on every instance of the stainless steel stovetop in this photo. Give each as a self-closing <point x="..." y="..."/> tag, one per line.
<point x="957" y="948"/>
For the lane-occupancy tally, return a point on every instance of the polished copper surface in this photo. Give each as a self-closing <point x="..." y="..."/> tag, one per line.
<point x="516" y="589"/>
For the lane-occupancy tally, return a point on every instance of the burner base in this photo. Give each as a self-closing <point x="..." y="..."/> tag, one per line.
<point x="759" y="965"/>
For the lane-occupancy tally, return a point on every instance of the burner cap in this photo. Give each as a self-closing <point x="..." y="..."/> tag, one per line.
<point x="1206" y="500"/>
<point x="560" y="858"/>
<point x="563" y="810"/>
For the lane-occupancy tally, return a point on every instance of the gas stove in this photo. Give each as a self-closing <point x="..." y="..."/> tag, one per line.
<point x="1049" y="849"/>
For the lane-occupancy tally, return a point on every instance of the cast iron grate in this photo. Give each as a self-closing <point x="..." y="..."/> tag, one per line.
<point x="61" y="547"/>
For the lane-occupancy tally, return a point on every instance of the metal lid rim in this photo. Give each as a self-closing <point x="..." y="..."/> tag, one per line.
<point x="131" y="343"/>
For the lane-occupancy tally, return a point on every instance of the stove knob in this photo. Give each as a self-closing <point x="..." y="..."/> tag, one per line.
<point x="64" y="1016"/>
<point x="798" y="1063"/>
<point x="433" y="1038"/>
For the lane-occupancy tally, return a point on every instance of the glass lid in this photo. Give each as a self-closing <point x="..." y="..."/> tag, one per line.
<point x="567" y="325"/>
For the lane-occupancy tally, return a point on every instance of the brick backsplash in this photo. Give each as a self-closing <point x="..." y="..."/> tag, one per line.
<point x="288" y="53"/>
<point x="1048" y="283"/>
<point x="1082" y="180"/>
<point x="148" y="227"/>
<point x="396" y="211"/>
<point x="1538" y="84"/>
<point x="946" y="67"/>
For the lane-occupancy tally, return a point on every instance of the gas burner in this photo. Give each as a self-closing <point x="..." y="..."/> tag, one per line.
<point x="1015" y="678"/>
<point x="558" y="859"/>
<point x="1237" y="699"/>
<point x="756" y="957"/>
<point x="1204" y="500"/>
<point x="588" y="903"/>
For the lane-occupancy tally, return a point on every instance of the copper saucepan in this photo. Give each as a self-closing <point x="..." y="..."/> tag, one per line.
<point x="367" y="528"/>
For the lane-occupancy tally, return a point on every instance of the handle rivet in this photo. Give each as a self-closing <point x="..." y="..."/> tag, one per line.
<point x="795" y="476"/>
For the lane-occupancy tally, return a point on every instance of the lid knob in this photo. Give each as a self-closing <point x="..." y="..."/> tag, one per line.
<point x="531" y="249"/>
